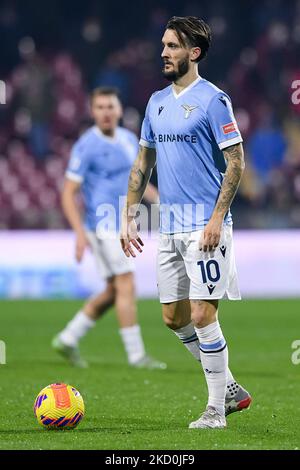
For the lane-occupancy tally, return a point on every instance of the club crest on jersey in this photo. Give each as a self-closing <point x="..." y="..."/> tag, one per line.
<point x="188" y="109"/>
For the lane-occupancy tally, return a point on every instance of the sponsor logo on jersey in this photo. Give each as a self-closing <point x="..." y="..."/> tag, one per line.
<point x="211" y="288"/>
<point x="223" y="101"/>
<point x="189" y="138"/>
<point x="228" y="128"/>
<point x="188" y="109"/>
<point x="223" y="250"/>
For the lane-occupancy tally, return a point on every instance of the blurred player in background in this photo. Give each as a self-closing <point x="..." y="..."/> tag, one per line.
<point x="100" y="164"/>
<point x="191" y="130"/>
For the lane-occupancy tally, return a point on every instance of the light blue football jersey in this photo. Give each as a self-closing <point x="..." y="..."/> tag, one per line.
<point x="189" y="130"/>
<point x="102" y="165"/>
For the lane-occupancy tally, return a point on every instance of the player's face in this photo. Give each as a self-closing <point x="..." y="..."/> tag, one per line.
<point x="106" y="111"/>
<point x="176" y="57"/>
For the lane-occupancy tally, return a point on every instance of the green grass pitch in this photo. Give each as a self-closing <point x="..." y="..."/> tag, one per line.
<point x="137" y="409"/>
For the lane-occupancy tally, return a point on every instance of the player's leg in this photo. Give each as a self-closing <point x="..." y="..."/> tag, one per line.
<point x="66" y="342"/>
<point x="177" y="316"/>
<point x="210" y="275"/>
<point x="86" y="317"/>
<point x="130" y="331"/>
<point x="214" y="359"/>
<point x="127" y="318"/>
<point x="97" y="305"/>
<point x="173" y="286"/>
<point x="174" y="283"/>
<point x="195" y="335"/>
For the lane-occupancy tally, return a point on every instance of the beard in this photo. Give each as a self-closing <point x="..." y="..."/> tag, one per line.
<point x="183" y="67"/>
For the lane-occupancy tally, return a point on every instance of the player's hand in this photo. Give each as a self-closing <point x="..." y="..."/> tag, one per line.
<point x="211" y="235"/>
<point x="130" y="238"/>
<point x="81" y="244"/>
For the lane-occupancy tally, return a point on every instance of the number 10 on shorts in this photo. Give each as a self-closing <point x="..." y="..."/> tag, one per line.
<point x="210" y="271"/>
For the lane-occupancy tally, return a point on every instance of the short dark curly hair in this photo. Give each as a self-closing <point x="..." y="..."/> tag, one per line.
<point x="192" y="32"/>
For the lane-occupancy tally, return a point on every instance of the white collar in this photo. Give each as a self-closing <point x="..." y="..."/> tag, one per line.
<point x="106" y="137"/>
<point x="191" y="85"/>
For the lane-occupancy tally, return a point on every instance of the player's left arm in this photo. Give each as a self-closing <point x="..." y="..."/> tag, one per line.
<point x="234" y="156"/>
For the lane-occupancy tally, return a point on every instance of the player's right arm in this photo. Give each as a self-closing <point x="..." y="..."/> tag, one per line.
<point x="72" y="213"/>
<point x="138" y="180"/>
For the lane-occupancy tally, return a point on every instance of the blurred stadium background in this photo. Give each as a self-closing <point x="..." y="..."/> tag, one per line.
<point x="53" y="53"/>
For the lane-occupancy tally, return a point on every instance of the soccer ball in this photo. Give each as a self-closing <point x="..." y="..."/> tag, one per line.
<point x="59" y="406"/>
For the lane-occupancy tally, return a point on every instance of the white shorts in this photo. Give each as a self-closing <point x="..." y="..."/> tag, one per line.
<point x="185" y="272"/>
<point x="109" y="255"/>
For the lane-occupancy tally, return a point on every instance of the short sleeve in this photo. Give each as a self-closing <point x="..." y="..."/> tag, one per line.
<point x="147" y="135"/>
<point x="222" y="121"/>
<point x="78" y="164"/>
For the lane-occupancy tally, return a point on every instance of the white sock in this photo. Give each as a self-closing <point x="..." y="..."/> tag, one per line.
<point x="189" y="338"/>
<point x="76" y="329"/>
<point x="133" y="343"/>
<point x="214" y="359"/>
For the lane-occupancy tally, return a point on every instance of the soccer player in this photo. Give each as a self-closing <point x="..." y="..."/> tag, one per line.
<point x="190" y="130"/>
<point x="100" y="164"/>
